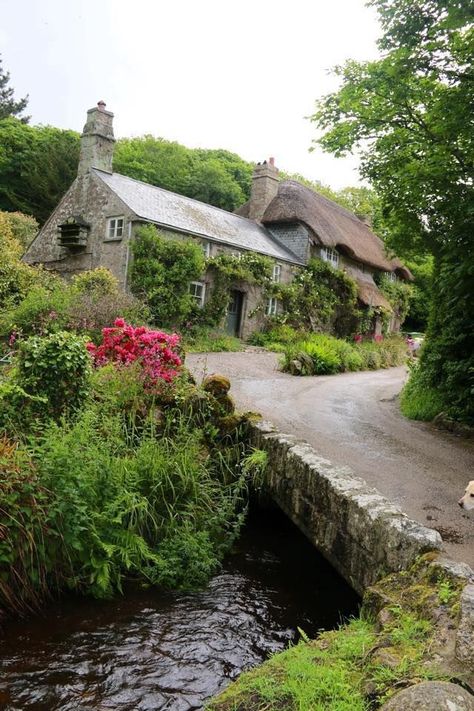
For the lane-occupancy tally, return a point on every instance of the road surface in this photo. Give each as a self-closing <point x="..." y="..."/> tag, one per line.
<point x="354" y="419"/>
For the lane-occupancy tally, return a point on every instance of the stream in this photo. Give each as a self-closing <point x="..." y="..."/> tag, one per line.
<point x="150" y="650"/>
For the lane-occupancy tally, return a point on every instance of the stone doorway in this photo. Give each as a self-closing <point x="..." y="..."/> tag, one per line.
<point x="234" y="312"/>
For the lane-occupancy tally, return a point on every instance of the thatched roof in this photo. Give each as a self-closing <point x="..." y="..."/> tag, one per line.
<point x="332" y="225"/>
<point x="370" y="295"/>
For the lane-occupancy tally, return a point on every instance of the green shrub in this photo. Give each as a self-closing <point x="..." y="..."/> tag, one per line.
<point x="56" y="367"/>
<point x="17" y="407"/>
<point x="92" y="302"/>
<point x="43" y="310"/>
<point x="161" y="272"/>
<point x="370" y="354"/>
<point x="24" y="567"/>
<point x="419" y="400"/>
<point x="212" y="342"/>
<point x="325" y="358"/>
<point x="322" y="354"/>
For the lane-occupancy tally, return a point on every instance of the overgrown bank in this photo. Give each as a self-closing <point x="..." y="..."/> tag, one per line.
<point x="405" y="634"/>
<point x="323" y="354"/>
<point x="115" y="466"/>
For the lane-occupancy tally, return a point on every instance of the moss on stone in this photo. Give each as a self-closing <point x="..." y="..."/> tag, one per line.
<point x="405" y="634"/>
<point x="217" y="385"/>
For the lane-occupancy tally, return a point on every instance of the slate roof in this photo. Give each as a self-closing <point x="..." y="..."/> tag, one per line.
<point x="184" y="214"/>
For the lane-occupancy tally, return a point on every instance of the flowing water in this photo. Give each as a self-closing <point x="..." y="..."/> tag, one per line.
<point x="150" y="650"/>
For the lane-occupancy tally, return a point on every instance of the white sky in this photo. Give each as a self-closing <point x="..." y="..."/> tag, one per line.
<point x="206" y="73"/>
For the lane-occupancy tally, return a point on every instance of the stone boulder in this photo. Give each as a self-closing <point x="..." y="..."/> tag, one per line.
<point x="431" y="696"/>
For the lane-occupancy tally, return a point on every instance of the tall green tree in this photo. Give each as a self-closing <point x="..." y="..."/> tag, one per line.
<point x="410" y="117"/>
<point x="37" y="166"/>
<point x="8" y="105"/>
<point x="217" y="177"/>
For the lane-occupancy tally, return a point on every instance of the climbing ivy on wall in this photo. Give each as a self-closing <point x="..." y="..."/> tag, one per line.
<point x="398" y="293"/>
<point x="228" y="271"/>
<point x="320" y="298"/>
<point x="161" y="272"/>
<point x="163" y="268"/>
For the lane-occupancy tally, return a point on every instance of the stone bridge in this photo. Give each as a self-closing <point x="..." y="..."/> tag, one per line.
<point x="358" y="530"/>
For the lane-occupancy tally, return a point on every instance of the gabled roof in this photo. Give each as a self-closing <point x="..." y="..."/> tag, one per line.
<point x="332" y="224"/>
<point x="177" y="212"/>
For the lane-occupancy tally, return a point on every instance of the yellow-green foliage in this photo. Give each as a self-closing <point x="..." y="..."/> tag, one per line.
<point x="15" y="277"/>
<point x="321" y="354"/>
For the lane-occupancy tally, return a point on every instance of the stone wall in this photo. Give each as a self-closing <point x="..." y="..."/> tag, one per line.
<point x="89" y="198"/>
<point x="362" y="534"/>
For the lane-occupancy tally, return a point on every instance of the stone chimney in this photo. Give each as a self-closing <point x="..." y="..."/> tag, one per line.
<point x="97" y="141"/>
<point x="264" y="188"/>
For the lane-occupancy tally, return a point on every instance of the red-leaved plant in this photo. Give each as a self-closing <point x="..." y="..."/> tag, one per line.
<point x="155" y="351"/>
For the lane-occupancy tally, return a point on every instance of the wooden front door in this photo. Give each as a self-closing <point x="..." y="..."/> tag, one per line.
<point x="234" y="312"/>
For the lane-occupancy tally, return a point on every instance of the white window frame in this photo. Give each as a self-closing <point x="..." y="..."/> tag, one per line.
<point x="206" y="248"/>
<point x="115" y="229"/>
<point x="330" y="255"/>
<point x="276" y="276"/>
<point x="198" y="297"/>
<point x="391" y="276"/>
<point x="272" y="306"/>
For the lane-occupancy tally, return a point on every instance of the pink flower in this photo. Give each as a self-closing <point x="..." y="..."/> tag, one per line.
<point x="155" y="351"/>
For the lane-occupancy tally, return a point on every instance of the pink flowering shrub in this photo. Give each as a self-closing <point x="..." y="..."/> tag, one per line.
<point x="155" y="351"/>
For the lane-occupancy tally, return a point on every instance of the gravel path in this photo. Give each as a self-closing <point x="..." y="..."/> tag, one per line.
<point x="353" y="419"/>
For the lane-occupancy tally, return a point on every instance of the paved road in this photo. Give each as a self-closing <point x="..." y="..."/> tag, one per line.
<point x="353" y="419"/>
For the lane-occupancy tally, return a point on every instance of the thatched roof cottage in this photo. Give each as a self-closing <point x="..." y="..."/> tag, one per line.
<point x="96" y="220"/>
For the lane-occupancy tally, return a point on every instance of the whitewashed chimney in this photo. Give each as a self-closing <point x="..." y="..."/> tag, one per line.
<point x="97" y="141"/>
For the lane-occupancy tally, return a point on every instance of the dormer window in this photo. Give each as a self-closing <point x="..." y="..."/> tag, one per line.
<point x="276" y="276"/>
<point x="331" y="256"/>
<point x="115" y="226"/>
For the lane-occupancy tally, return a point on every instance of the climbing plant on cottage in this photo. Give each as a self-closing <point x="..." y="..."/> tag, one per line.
<point x="161" y="272"/>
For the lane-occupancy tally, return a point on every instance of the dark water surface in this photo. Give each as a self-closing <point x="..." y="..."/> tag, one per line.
<point x="151" y="650"/>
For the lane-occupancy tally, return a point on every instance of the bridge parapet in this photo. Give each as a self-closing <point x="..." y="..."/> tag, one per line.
<point x="361" y="533"/>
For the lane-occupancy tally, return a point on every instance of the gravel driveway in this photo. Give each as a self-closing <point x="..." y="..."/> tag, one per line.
<point x="353" y="419"/>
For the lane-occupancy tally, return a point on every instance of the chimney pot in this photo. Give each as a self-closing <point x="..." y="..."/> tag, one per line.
<point x="101" y="104"/>
<point x="271" y="161"/>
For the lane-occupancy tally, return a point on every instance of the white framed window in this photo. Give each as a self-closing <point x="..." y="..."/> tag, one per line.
<point x="197" y="289"/>
<point x="276" y="276"/>
<point x="391" y="276"/>
<point x="206" y="248"/>
<point x="272" y="306"/>
<point x="115" y="226"/>
<point x="330" y="255"/>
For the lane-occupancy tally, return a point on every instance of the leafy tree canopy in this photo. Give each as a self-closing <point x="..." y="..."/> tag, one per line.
<point x="217" y="177"/>
<point x="409" y="115"/>
<point x="8" y="105"/>
<point x="37" y="165"/>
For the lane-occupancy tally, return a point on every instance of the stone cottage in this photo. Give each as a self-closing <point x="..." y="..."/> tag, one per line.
<point x="95" y="222"/>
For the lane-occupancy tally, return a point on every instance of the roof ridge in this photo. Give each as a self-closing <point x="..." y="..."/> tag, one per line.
<point x="332" y="203"/>
<point x="185" y="197"/>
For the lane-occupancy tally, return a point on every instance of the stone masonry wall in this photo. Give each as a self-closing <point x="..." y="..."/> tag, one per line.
<point x="89" y="198"/>
<point x="362" y="534"/>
